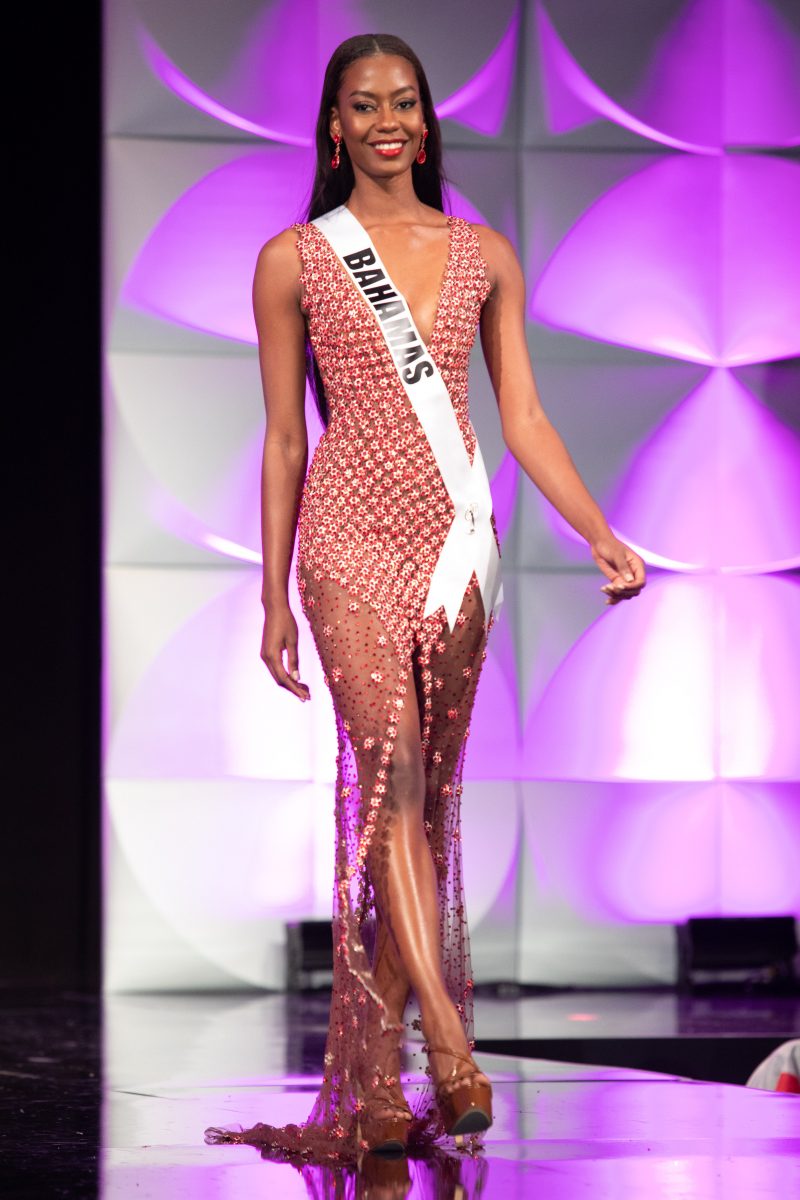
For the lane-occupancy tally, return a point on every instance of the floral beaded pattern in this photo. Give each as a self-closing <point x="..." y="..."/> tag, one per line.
<point x="373" y="518"/>
<point x="375" y="511"/>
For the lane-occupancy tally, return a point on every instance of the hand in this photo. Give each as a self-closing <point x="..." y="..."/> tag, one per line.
<point x="280" y="633"/>
<point x="622" y="567"/>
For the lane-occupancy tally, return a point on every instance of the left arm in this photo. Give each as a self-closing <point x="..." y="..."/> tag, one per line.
<point x="528" y="432"/>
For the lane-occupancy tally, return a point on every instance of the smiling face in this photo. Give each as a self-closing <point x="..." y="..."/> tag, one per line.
<point x="379" y="114"/>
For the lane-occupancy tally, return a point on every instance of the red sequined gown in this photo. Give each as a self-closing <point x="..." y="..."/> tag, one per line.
<point x="373" y="518"/>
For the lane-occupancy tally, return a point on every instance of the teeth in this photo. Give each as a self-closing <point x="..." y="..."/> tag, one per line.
<point x="389" y="145"/>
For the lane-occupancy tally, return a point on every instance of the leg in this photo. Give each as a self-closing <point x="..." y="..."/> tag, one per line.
<point x="419" y="825"/>
<point x="366" y="677"/>
<point x="449" y="669"/>
<point x="390" y="974"/>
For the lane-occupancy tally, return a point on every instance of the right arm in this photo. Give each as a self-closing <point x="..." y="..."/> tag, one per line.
<point x="281" y="352"/>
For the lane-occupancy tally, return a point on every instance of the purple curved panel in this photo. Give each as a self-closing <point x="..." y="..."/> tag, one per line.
<point x="173" y="78"/>
<point x="196" y="267"/>
<point x="265" y="95"/>
<point x="690" y="96"/>
<point x="205" y="707"/>
<point x="493" y="745"/>
<point x="482" y="103"/>
<point x="692" y="257"/>
<point x="262" y="90"/>
<point x="736" y="843"/>
<point x="695" y="678"/>
<point x="572" y="99"/>
<point x="717" y="485"/>
<point x="726" y="72"/>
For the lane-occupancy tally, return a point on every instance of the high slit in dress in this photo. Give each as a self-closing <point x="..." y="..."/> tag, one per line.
<point x="373" y="518"/>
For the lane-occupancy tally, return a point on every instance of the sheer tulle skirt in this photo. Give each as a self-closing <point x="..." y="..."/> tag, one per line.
<point x="378" y="683"/>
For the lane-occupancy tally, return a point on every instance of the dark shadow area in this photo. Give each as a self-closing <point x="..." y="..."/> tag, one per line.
<point x="50" y="860"/>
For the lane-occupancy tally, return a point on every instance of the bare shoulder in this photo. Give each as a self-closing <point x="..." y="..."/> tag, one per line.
<point x="276" y="281"/>
<point x="497" y="252"/>
<point x="279" y="257"/>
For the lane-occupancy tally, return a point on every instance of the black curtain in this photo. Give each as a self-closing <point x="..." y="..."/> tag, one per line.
<point x="50" y="844"/>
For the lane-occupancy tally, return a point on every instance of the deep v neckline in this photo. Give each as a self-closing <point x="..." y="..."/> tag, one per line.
<point x="434" y="327"/>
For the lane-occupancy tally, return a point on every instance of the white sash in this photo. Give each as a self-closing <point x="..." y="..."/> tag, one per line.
<point x="470" y="544"/>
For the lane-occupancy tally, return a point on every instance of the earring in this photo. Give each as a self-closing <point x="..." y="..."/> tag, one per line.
<point x="421" y="155"/>
<point x="336" y="157"/>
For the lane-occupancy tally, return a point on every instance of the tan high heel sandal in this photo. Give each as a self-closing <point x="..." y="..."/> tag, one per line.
<point x="468" y="1107"/>
<point x="386" y="1133"/>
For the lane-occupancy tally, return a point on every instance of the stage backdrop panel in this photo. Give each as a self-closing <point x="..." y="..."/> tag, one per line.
<point x="627" y="767"/>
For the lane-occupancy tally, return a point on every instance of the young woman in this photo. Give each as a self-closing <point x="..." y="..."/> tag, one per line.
<point x="380" y="295"/>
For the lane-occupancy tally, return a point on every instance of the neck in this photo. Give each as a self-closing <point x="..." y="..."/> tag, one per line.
<point x="384" y="201"/>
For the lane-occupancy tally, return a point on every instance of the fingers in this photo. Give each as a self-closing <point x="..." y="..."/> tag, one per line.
<point x="288" y="679"/>
<point x="627" y="581"/>
<point x="617" y="591"/>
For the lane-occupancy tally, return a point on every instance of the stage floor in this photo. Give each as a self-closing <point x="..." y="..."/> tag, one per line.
<point x="174" y="1064"/>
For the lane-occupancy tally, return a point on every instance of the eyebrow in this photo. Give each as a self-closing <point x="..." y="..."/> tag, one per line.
<point x="409" y="87"/>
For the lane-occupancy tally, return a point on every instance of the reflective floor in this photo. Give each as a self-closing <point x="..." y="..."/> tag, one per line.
<point x="174" y="1064"/>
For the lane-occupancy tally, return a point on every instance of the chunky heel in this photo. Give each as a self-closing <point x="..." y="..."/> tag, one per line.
<point x="386" y="1136"/>
<point x="385" y="1132"/>
<point x="467" y="1108"/>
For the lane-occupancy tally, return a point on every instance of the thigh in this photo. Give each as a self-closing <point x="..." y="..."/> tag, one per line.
<point x="447" y="669"/>
<point x="371" y="683"/>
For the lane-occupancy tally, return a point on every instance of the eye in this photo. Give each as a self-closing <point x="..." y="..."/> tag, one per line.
<point x="361" y="105"/>
<point x="410" y="103"/>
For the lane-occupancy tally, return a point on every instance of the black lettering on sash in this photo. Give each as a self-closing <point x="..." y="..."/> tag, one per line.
<point x="400" y="337"/>
<point x="411" y="354"/>
<point x="417" y="372"/>
<point x="408" y="351"/>
<point x="389" y="308"/>
<point x="363" y="278"/>
<point x="359" y="258"/>
<point x="384" y="292"/>
<point x="392" y="327"/>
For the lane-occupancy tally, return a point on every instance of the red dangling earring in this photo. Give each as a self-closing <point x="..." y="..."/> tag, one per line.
<point x="336" y="158"/>
<point x="421" y="155"/>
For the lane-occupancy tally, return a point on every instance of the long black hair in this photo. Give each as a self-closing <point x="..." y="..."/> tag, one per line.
<point x="332" y="187"/>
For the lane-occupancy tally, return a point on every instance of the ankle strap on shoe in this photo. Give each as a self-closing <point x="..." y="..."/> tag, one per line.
<point x="467" y="1058"/>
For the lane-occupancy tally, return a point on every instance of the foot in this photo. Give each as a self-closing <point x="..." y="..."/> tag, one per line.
<point x="450" y="1071"/>
<point x="386" y="1117"/>
<point x="382" y="1091"/>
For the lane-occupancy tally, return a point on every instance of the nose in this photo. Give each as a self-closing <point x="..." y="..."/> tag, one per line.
<point x="387" y="118"/>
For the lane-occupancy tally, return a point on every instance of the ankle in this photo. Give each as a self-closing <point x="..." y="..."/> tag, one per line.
<point x="443" y="1027"/>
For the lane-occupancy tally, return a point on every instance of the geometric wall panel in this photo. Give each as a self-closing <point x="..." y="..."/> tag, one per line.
<point x="626" y="766"/>
<point x="230" y="78"/>
<point x="682" y="85"/>
<point x="196" y="267"/>
<point x="608" y="869"/>
<point x="687" y="264"/>
<point x="717" y="485"/>
<point x="222" y="864"/>
<point x="699" y="682"/>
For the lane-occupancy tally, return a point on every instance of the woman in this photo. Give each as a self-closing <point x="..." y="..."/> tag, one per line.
<point x="398" y="570"/>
